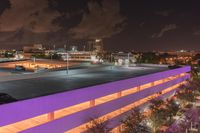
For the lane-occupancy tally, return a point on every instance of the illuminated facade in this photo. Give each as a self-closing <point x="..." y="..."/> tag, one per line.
<point x="72" y="110"/>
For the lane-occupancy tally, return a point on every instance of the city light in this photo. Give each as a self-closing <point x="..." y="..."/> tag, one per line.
<point x="104" y="66"/>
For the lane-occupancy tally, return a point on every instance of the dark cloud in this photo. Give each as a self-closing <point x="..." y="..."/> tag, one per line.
<point x="31" y="21"/>
<point x="196" y="30"/>
<point x="141" y="24"/>
<point x="102" y="20"/>
<point x="164" y="13"/>
<point x="41" y="21"/>
<point x="32" y="15"/>
<point x="165" y="29"/>
<point x="56" y="21"/>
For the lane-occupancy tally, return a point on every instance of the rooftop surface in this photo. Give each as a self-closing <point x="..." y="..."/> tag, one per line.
<point x="25" y="86"/>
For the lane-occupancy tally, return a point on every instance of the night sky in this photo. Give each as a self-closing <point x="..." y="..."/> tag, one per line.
<point x="123" y="24"/>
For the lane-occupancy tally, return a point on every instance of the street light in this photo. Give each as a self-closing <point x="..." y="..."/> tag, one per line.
<point x="67" y="63"/>
<point x="111" y="60"/>
<point x="128" y="58"/>
<point x="51" y="54"/>
<point x="34" y="60"/>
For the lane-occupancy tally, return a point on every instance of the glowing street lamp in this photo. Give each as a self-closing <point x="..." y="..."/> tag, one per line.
<point x="97" y="40"/>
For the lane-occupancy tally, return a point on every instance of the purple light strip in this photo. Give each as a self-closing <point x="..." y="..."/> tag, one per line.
<point x="116" y="121"/>
<point x="21" y="110"/>
<point x="84" y="116"/>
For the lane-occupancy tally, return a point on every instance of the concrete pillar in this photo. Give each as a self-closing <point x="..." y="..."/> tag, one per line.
<point x="138" y="88"/>
<point x="50" y="116"/>
<point x="119" y="94"/>
<point x="163" y="80"/>
<point x="152" y="84"/>
<point x="119" y="129"/>
<point x="92" y="103"/>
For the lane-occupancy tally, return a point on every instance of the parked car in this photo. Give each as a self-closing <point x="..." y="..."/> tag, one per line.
<point x="174" y="66"/>
<point x="41" y="69"/>
<point x="5" y="98"/>
<point x="20" y="68"/>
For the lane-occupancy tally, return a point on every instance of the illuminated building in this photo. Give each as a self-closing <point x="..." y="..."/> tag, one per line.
<point x="70" y="111"/>
<point x="122" y="58"/>
<point x="98" y="46"/>
<point x="36" y="48"/>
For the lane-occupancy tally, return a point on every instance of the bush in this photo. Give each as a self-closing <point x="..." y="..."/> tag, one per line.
<point x="189" y="105"/>
<point x="98" y="126"/>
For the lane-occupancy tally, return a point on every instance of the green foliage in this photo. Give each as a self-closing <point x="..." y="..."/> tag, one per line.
<point x="98" y="126"/>
<point x="40" y="55"/>
<point x="172" y="108"/>
<point x="133" y="123"/>
<point x="196" y="57"/>
<point x="188" y="92"/>
<point x="8" y="54"/>
<point x="156" y="104"/>
<point x="149" y="57"/>
<point x="43" y="56"/>
<point x="158" y="114"/>
<point x="195" y="72"/>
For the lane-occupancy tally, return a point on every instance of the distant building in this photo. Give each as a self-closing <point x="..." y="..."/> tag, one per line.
<point x="180" y="53"/>
<point x="122" y="58"/>
<point x="80" y="56"/>
<point x="98" y="46"/>
<point x="27" y="49"/>
<point x="36" y="48"/>
<point x="73" y="48"/>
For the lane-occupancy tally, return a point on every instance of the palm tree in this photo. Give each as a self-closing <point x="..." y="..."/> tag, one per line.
<point x="158" y="114"/>
<point x="172" y="108"/>
<point x="98" y="126"/>
<point x="187" y="93"/>
<point x="134" y="123"/>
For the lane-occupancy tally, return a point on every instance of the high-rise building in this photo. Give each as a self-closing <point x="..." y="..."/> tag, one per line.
<point x="98" y="46"/>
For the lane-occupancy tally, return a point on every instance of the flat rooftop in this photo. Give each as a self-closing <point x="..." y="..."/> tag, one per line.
<point x="26" y="86"/>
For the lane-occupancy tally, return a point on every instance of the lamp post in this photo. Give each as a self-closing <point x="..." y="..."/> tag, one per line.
<point x="34" y="60"/>
<point x="51" y="56"/>
<point x="111" y="60"/>
<point x="128" y="58"/>
<point x="67" y="63"/>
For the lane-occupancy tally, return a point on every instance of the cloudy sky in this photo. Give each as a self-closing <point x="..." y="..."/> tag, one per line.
<point x="123" y="24"/>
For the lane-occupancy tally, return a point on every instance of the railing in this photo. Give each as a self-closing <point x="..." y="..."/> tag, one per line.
<point x="22" y="110"/>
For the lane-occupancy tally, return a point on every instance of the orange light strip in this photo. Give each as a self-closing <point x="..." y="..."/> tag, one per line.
<point x="115" y="113"/>
<point x="36" y="121"/>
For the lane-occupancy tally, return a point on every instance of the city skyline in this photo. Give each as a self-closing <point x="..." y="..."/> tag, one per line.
<point x="99" y="66"/>
<point x="123" y="25"/>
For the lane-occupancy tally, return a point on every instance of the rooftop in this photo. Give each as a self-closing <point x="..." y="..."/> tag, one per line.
<point x="25" y="86"/>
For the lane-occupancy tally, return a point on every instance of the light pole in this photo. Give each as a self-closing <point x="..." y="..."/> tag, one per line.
<point x="111" y="60"/>
<point x="128" y="58"/>
<point x="51" y="56"/>
<point x="34" y="60"/>
<point x="67" y="63"/>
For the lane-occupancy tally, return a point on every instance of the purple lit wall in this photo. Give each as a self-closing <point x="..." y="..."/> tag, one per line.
<point x="21" y="110"/>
